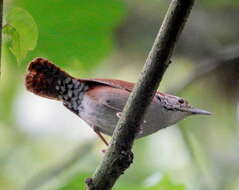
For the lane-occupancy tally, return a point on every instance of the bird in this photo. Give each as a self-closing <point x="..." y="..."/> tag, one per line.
<point x="100" y="102"/>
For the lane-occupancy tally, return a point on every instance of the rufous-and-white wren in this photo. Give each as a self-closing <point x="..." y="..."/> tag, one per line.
<point x="99" y="102"/>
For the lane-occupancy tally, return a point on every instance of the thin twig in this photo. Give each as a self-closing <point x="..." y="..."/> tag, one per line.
<point x="119" y="156"/>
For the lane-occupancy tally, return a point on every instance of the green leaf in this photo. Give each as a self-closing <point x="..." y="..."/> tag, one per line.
<point x="22" y="31"/>
<point x="14" y="36"/>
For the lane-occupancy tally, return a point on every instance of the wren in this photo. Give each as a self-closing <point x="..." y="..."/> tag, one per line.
<point x="99" y="102"/>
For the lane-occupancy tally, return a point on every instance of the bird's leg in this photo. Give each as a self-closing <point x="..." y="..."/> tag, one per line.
<point x="97" y="131"/>
<point x="119" y="114"/>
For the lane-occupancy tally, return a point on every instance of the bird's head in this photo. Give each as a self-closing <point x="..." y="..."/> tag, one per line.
<point x="176" y="108"/>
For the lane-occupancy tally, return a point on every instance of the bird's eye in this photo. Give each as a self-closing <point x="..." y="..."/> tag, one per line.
<point x="181" y="101"/>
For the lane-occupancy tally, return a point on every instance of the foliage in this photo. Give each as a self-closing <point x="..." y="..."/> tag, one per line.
<point x="79" y="33"/>
<point x="22" y="32"/>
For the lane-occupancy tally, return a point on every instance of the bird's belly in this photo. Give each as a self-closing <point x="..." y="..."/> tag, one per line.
<point x="98" y="115"/>
<point x="105" y="118"/>
<point x="153" y="121"/>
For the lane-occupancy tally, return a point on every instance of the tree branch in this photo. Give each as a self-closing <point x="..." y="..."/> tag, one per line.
<point x="119" y="156"/>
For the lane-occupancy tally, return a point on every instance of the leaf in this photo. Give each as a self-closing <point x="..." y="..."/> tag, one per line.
<point x="14" y="39"/>
<point x="22" y="31"/>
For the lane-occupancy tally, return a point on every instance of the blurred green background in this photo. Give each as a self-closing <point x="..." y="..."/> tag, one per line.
<point x="44" y="146"/>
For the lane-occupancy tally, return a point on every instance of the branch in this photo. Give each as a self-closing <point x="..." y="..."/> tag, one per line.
<point x="119" y="156"/>
<point x="1" y="21"/>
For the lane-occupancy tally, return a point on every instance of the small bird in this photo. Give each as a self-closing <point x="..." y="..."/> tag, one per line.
<point x="99" y="102"/>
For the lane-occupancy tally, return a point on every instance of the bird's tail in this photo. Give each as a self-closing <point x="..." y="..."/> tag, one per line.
<point x="43" y="78"/>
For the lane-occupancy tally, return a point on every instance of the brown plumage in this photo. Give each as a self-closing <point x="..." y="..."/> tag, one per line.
<point x="42" y="77"/>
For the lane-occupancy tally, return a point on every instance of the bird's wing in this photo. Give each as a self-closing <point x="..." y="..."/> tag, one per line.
<point x="113" y="83"/>
<point x="118" y="84"/>
<point x="113" y="98"/>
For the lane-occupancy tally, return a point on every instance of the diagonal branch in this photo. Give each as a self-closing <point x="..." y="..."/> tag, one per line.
<point x="119" y="156"/>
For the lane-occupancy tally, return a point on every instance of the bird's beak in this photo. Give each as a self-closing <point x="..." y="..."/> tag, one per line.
<point x="199" y="111"/>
